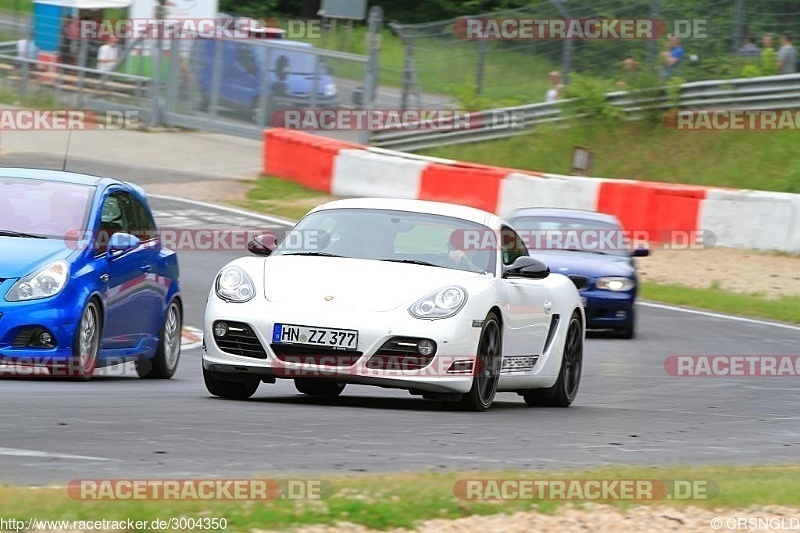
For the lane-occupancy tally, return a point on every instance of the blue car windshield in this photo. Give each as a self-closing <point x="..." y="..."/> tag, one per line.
<point x="535" y="231"/>
<point x="44" y="208"/>
<point x="296" y="62"/>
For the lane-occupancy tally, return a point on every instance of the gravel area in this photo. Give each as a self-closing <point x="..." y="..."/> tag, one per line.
<point x="602" y="518"/>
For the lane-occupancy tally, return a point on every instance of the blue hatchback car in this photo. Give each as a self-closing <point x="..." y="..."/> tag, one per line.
<point x="84" y="281"/>
<point x="605" y="275"/>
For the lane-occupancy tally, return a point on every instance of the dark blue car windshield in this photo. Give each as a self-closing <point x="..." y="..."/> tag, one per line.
<point x="46" y="208"/>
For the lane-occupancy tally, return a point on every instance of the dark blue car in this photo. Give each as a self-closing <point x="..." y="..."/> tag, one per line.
<point x="586" y="247"/>
<point x="84" y="281"/>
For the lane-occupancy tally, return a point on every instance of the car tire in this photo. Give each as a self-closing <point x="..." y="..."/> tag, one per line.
<point x="86" y="345"/>
<point x="563" y="392"/>
<point x="486" y="373"/>
<point x="164" y="363"/>
<point x="316" y="387"/>
<point x="235" y="388"/>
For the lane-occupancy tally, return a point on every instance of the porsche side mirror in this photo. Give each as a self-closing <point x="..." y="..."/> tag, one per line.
<point x="526" y="267"/>
<point x="263" y="244"/>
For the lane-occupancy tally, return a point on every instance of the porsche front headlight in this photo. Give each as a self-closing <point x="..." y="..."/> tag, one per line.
<point x="442" y="303"/>
<point x="616" y="284"/>
<point x="43" y="283"/>
<point x="234" y="285"/>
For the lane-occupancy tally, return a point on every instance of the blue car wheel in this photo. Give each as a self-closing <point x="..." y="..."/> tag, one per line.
<point x="87" y="343"/>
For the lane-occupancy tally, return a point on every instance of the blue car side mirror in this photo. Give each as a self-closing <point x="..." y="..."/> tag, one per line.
<point x="123" y="242"/>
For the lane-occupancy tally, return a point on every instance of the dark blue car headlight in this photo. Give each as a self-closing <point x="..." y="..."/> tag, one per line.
<point x="43" y="283"/>
<point x="616" y="284"/>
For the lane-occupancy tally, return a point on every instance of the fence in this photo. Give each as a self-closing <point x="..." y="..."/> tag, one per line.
<point x="493" y="73"/>
<point x="772" y="92"/>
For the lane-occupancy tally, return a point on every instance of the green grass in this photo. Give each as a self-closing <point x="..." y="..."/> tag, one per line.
<point x="282" y="198"/>
<point x="642" y="150"/>
<point x="403" y="500"/>
<point x="22" y="6"/>
<point x="785" y="309"/>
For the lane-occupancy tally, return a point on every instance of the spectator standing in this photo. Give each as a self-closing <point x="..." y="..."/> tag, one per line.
<point x="769" y="58"/>
<point x="787" y="56"/>
<point x="630" y="68"/>
<point x="554" y="92"/>
<point x="107" y="55"/>
<point x="673" y="56"/>
<point x="750" y="50"/>
<point x="26" y="48"/>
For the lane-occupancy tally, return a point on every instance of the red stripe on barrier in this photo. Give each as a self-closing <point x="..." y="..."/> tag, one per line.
<point x="470" y="185"/>
<point x="652" y="206"/>
<point x="301" y="157"/>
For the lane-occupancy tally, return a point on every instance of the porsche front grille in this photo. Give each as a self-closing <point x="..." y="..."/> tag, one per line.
<point x="240" y="339"/>
<point x="581" y="282"/>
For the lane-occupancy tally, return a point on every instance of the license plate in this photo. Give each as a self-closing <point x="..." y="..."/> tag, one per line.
<point x="339" y="339"/>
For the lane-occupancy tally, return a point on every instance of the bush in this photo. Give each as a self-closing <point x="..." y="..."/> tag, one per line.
<point x="588" y="98"/>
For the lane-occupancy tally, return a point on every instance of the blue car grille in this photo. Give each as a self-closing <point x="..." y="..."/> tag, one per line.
<point x="581" y="282"/>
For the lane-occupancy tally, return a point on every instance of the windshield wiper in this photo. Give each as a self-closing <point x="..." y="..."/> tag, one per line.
<point x="313" y="254"/>
<point x="584" y="251"/>
<point x="9" y="233"/>
<point x="413" y="262"/>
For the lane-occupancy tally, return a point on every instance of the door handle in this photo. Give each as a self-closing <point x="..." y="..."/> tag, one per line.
<point x="145" y="268"/>
<point x="104" y="278"/>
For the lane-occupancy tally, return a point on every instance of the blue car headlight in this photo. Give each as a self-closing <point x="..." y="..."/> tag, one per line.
<point x="443" y="303"/>
<point x="43" y="283"/>
<point x="616" y="284"/>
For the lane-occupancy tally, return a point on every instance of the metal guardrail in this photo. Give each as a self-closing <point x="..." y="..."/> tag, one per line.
<point x="770" y="92"/>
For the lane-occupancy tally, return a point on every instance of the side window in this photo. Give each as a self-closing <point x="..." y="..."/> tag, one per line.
<point x="145" y="227"/>
<point x="116" y="215"/>
<point x="511" y="245"/>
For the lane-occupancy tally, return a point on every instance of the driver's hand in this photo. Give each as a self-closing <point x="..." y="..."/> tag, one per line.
<point x="458" y="256"/>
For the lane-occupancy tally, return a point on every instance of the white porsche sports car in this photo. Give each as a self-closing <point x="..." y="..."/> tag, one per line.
<point x="439" y="299"/>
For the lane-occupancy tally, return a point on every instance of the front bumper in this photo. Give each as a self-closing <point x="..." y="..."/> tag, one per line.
<point x="608" y="309"/>
<point x="58" y="315"/>
<point x="450" y="371"/>
<point x="456" y="341"/>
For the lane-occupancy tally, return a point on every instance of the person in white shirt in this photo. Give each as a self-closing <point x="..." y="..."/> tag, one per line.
<point x="107" y="55"/>
<point x="554" y="93"/>
<point x="26" y="47"/>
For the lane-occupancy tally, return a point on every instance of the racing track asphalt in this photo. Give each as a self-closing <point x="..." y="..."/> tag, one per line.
<point x="628" y="410"/>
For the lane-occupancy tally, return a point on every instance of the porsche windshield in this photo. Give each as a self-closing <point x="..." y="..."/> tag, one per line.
<point x="385" y="235"/>
<point x="41" y="208"/>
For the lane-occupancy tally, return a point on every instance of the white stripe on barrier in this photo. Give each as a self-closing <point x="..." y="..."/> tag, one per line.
<point x="363" y="173"/>
<point x="416" y="157"/>
<point x="550" y="190"/>
<point x="756" y="220"/>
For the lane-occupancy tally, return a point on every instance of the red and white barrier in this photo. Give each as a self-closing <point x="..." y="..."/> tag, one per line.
<point x="738" y="218"/>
